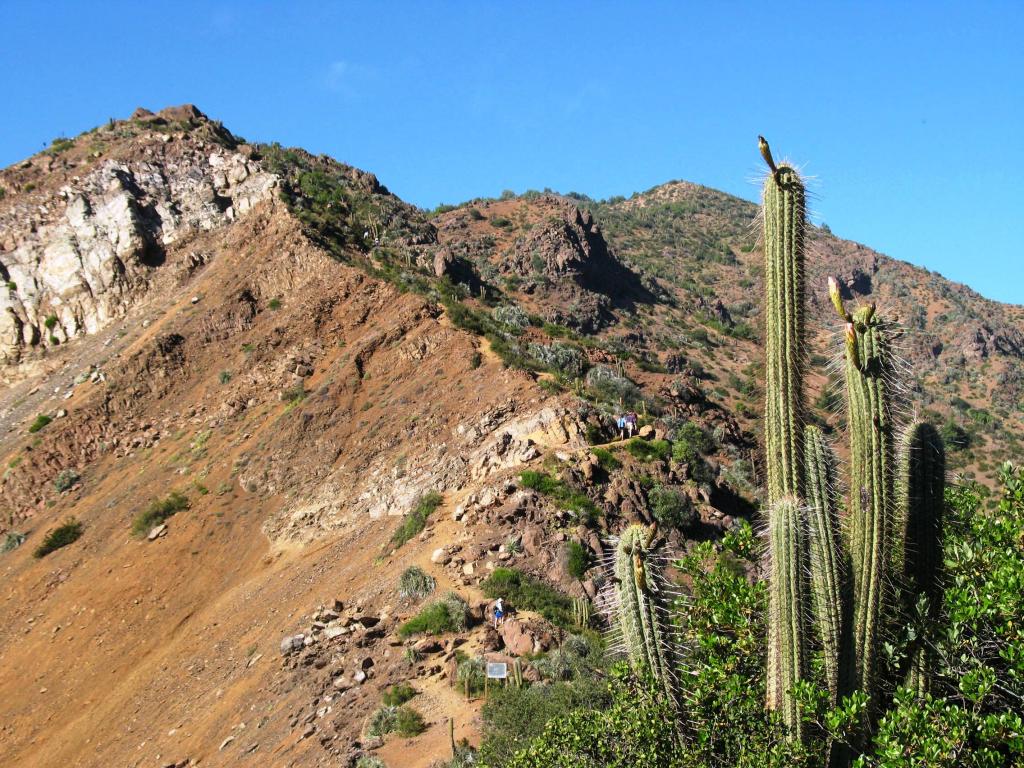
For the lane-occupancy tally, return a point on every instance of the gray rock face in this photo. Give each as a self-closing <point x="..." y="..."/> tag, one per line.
<point x="85" y="255"/>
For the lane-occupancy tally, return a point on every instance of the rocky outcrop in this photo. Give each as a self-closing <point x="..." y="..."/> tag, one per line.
<point x="81" y="253"/>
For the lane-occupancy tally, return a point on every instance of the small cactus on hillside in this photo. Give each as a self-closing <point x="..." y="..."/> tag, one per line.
<point x="581" y="612"/>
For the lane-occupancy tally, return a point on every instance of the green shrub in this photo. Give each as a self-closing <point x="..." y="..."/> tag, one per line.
<point x="414" y="522"/>
<point x="12" y="541"/>
<point x="158" y="511"/>
<point x="66" y="533"/>
<point x="50" y="322"/>
<point x="577" y="559"/>
<point x="649" y="450"/>
<point x="606" y="459"/>
<point x="65" y="479"/>
<point x="415" y="583"/>
<point x="54" y="340"/>
<point x="449" y="614"/>
<point x="11" y="285"/>
<point x="690" y="443"/>
<point x="515" y="716"/>
<point x="409" y="722"/>
<point x="41" y="421"/>
<point x="274" y="303"/>
<point x="397" y="695"/>
<point x="382" y="721"/>
<point x="523" y="591"/>
<point x="225" y="377"/>
<point x="566" y="497"/>
<point x="370" y="761"/>
<point x="672" y="508"/>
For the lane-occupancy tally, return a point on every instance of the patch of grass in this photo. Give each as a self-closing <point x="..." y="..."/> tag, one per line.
<point x="450" y="614"/>
<point x="158" y="511"/>
<point x="274" y="303"/>
<point x="67" y="533"/>
<point x="409" y="723"/>
<point x="225" y="377"/>
<point x="577" y="559"/>
<point x="13" y="463"/>
<point x="606" y="459"/>
<point x="565" y="496"/>
<point x="54" y="340"/>
<point x="41" y="421"/>
<point x="649" y="450"/>
<point x="415" y="583"/>
<point x="416" y="520"/>
<point x="521" y="590"/>
<point x="11" y="285"/>
<point x="397" y="695"/>
<point x="50" y="322"/>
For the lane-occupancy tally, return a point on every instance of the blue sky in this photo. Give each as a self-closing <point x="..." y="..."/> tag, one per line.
<point x="910" y="115"/>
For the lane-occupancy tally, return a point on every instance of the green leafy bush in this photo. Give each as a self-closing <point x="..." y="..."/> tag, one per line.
<point x="415" y="583"/>
<point x="41" y="421"/>
<point x="520" y="590"/>
<point x="690" y="442"/>
<point x="513" y="717"/>
<point x="66" y="533"/>
<point x="449" y="614"/>
<point x="416" y="520"/>
<point x="672" y="508"/>
<point x="158" y="511"/>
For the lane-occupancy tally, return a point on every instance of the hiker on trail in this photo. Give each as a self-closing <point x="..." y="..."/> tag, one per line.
<point x="499" y="613"/>
<point x="631" y="419"/>
<point x="621" y="424"/>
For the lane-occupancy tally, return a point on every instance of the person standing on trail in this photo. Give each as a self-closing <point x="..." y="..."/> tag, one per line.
<point x="499" y="613"/>
<point x="621" y="424"/>
<point x="631" y="419"/>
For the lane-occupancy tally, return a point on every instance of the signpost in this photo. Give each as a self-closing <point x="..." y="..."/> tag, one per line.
<point x="497" y="670"/>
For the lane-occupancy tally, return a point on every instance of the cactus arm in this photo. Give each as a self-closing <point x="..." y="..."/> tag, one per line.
<point x="825" y="552"/>
<point x="643" y="618"/>
<point x="787" y="631"/>
<point x="868" y="369"/>
<point x="784" y="215"/>
<point x="921" y="506"/>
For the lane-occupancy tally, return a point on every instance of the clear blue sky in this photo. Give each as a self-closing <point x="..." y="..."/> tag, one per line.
<point x="910" y="114"/>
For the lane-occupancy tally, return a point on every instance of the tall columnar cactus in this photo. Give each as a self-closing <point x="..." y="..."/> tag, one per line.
<point x="921" y="505"/>
<point x="869" y="375"/>
<point x="825" y="551"/>
<point x="643" y="610"/>
<point x="788" y="642"/>
<point x="784" y="216"/>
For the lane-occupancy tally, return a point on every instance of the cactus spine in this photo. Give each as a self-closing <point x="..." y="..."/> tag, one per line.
<point x="643" y="615"/>
<point x="825" y="556"/>
<point x="787" y="634"/>
<point x="921" y="504"/>
<point x="784" y="223"/>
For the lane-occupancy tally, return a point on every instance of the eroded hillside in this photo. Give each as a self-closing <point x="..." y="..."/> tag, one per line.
<point x="245" y="370"/>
